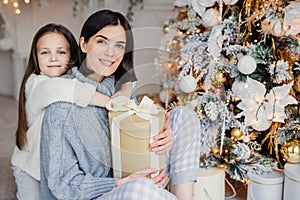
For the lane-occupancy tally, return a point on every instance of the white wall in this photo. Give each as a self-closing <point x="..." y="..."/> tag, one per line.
<point x="6" y="73"/>
<point x="22" y="29"/>
<point x="147" y="30"/>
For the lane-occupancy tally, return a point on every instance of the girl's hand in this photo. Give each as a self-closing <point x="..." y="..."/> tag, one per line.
<point x="163" y="141"/>
<point x="100" y="100"/>
<point x="159" y="180"/>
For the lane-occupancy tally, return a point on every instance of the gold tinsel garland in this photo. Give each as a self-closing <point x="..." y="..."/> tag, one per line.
<point x="255" y="11"/>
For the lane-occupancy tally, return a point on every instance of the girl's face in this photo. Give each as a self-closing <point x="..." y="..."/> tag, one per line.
<point x="53" y="54"/>
<point x="105" y="50"/>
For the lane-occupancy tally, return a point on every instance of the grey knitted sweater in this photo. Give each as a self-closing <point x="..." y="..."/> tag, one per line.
<point x="75" y="148"/>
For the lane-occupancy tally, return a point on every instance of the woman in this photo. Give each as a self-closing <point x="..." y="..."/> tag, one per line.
<point x="75" y="143"/>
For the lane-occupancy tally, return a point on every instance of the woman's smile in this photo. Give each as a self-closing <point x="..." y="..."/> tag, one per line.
<point x="106" y="63"/>
<point x="105" y="50"/>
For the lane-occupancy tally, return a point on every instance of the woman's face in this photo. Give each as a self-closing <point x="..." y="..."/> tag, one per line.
<point x="105" y="50"/>
<point x="53" y="54"/>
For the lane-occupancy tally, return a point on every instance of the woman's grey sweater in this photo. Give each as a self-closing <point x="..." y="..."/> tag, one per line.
<point x="75" y="148"/>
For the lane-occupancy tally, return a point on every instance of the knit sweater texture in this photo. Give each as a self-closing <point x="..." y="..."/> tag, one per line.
<point x="75" y="148"/>
<point x="41" y="91"/>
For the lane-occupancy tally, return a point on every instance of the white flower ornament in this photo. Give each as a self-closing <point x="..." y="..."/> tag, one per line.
<point x="277" y="99"/>
<point x="252" y="104"/>
<point x="261" y="109"/>
<point x="292" y="18"/>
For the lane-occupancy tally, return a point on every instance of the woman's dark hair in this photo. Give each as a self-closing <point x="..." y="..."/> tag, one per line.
<point x="33" y="68"/>
<point x="103" y="18"/>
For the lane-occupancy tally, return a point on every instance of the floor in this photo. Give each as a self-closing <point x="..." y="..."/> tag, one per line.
<point x="8" y="121"/>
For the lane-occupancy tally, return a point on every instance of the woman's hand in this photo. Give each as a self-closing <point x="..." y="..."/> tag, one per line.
<point x="124" y="91"/>
<point x="163" y="141"/>
<point x="159" y="180"/>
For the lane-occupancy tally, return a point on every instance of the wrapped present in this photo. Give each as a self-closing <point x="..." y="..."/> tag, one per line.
<point x="132" y="130"/>
<point x="265" y="186"/>
<point x="210" y="184"/>
<point x="291" y="181"/>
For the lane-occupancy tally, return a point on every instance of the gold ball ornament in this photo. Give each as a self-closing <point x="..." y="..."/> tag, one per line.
<point x="220" y="76"/>
<point x="236" y="133"/>
<point x="182" y="15"/>
<point x="166" y="29"/>
<point x="290" y="151"/>
<point x="176" y="44"/>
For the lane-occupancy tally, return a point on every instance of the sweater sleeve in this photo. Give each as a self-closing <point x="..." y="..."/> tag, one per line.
<point x="41" y="91"/>
<point x="60" y="166"/>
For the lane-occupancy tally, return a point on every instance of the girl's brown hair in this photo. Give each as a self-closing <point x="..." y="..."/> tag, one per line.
<point x="33" y="68"/>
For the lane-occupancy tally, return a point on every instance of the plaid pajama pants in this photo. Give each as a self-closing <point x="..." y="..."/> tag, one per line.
<point x="138" y="189"/>
<point x="183" y="159"/>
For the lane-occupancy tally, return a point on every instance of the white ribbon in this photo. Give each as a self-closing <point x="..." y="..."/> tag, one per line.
<point x="222" y="136"/>
<point x="145" y="111"/>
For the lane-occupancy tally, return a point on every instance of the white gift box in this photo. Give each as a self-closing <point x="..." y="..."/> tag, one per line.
<point x="265" y="186"/>
<point x="210" y="184"/>
<point x="291" y="181"/>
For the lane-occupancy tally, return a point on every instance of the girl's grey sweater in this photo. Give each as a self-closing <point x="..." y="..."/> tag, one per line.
<point x="75" y="148"/>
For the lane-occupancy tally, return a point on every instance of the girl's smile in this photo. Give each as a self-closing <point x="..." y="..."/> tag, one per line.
<point x="53" y="52"/>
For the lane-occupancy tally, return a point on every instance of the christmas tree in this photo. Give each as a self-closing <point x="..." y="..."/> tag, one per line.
<point x="236" y="63"/>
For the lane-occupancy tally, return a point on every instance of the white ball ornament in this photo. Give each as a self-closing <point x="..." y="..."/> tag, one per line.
<point x="206" y="3"/>
<point x="247" y="64"/>
<point x="200" y="9"/>
<point x="246" y="139"/>
<point x="240" y="89"/>
<point x="166" y="95"/>
<point x="188" y="84"/>
<point x="276" y="27"/>
<point x="211" y="18"/>
<point x="230" y="2"/>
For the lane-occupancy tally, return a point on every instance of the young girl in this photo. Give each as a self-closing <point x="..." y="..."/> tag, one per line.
<point x="75" y="143"/>
<point x="54" y="50"/>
